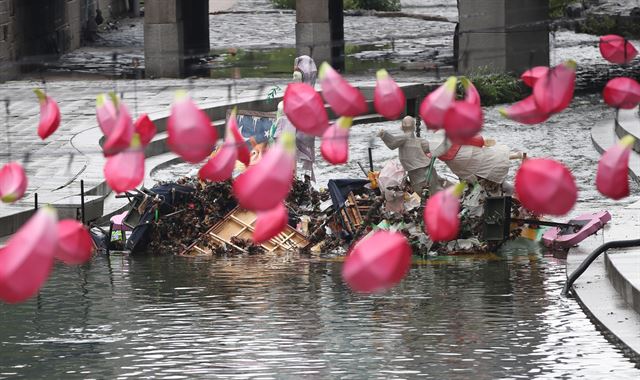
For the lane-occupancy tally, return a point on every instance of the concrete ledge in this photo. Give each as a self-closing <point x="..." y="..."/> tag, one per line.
<point x="604" y="135"/>
<point x="629" y="124"/>
<point x="623" y="270"/>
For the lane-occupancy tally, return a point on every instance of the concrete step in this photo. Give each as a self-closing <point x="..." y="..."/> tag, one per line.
<point x="629" y="124"/>
<point x="603" y="136"/>
<point x="623" y="269"/>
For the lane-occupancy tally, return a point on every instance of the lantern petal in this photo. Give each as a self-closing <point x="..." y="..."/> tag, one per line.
<point x="531" y="76"/>
<point x="125" y="170"/>
<point x="343" y="98"/>
<point x="612" y="179"/>
<point x="26" y="261"/>
<point x="305" y="109"/>
<point x="622" y="93"/>
<point x="262" y="186"/>
<point x="436" y="104"/>
<point x="191" y="134"/>
<point x="335" y="142"/>
<point x="617" y="49"/>
<point x="13" y="182"/>
<point x="49" y="115"/>
<point x="525" y="111"/>
<point x="220" y="167"/>
<point x="244" y="155"/>
<point x="145" y="128"/>
<point x="554" y="91"/>
<point x="462" y="121"/>
<point x="545" y="186"/>
<point x="74" y="242"/>
<point x="471" y="92"/>
<point x="270" y="223"/>
<point x="120" y="137"/>
<point x="441" y="219"/>
<point x="377" y="262"/>
<point x="106" y="113"/>
<point x="388" y="98"/>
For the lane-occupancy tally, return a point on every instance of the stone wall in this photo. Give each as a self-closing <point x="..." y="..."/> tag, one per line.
<point x="35" y="31"/>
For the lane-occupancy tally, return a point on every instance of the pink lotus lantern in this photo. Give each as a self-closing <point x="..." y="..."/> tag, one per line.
<point x="26" y="261"/>
<point x="436" y="104"/>
<point x="525" y="111"/>
<point x="335" y="142"/>
<point x="378" y="262"/>
<point x="220" y="167"/>
<point x="244" y="155"/>
<point x="388" y="98"/>
<point x="622" y="93"/>
<point x="612" y="179"/>
<point x="107" y="113"/>
<point x="617" y="49"/>
<point x="74" y="243"/>
<point x="266" y="184"/>
<point x="120" y="137"/>
<point x="125" y="170"/>
<point x="531" y="76"/>
<point x="343" y="98"/>
<point x="13" y="182"/>
<point x="49" y="114"/>
<point x="270" y="223"/>
<point x="471" y="92"/>
<point x="546" y="186"/>
<point x="145" y="128"/>
<point x="305" y="109"/>
<point x="191" y="134"/>
<point x="554" y="91"/>
<point x="441" y="219"/>
<point x="462" y="121"/>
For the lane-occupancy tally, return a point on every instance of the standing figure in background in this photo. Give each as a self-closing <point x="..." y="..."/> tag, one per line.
<point x="305" y="71"/>
<point x="412" y="152"/>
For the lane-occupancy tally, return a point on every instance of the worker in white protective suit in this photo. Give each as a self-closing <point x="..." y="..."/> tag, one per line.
<point x="412" y="152"/>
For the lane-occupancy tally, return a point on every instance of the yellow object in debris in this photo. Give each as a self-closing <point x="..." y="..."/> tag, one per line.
<point x="373" y="178"/>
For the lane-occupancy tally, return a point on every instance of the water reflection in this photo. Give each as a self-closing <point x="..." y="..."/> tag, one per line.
<point x="275" y="316"/>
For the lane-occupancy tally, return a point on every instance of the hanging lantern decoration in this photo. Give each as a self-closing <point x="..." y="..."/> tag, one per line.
<point x="26" y="260"/>
<point x="471" y="94"/>
<point x="107" y="112"/>
<point x="343" y="98"/>
<point x="525" y="111"/>
<point x="531" y="76"/>
<point x="266" y="184"/>
<point x="191" y="134"/>
<point x="436" y="104"/>
<point x="219" y="168"/>
<point x="617" y="49"/>
<point x="305" y="109"/>
<point x="612" y="179"/>
<point x="462" y="121"/>
<point x="377" y="262"/>
<point x="335" y="142"/>
<point x="13" y="182"/>
<point x="270" y="223"/>
<point x="244" y="155"/>
<point x="545" y="186"/>
<point x="145" y="128"/>
<point x="49" y="115"/>
<point x="388" y="97"/>
<point x="441" y="219"/>
<point x="554" y="91"/>
<point x="125" y="170"/>
<point x="75" y="245"/>
<point x="622" y="93"/>
<point x="120" y="137"/>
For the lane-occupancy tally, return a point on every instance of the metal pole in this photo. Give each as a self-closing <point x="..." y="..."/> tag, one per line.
<point x="370" y="159"/>
<point x="35" y="201"/>
<point x="82" y="199"/>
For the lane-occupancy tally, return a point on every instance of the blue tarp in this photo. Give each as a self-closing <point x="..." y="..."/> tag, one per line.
<point x="339" y="189"/>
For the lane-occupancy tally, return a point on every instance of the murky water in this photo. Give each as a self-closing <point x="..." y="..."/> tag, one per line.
<point x="487" y="316"/>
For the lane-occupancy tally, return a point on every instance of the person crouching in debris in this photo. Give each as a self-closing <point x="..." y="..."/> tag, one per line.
<point x="412" y="152"/>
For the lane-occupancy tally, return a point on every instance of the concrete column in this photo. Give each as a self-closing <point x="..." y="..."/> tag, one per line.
<point x="320" y="31"/>
<point x="195" y="14"/>
<point x="163" y="38"/>
<point x="502" y="35"/>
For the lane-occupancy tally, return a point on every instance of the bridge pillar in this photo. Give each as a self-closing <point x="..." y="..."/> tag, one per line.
<point x="175" y="32"/>
<point x="320" y="31"/>
<point x="502" y="35"/>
